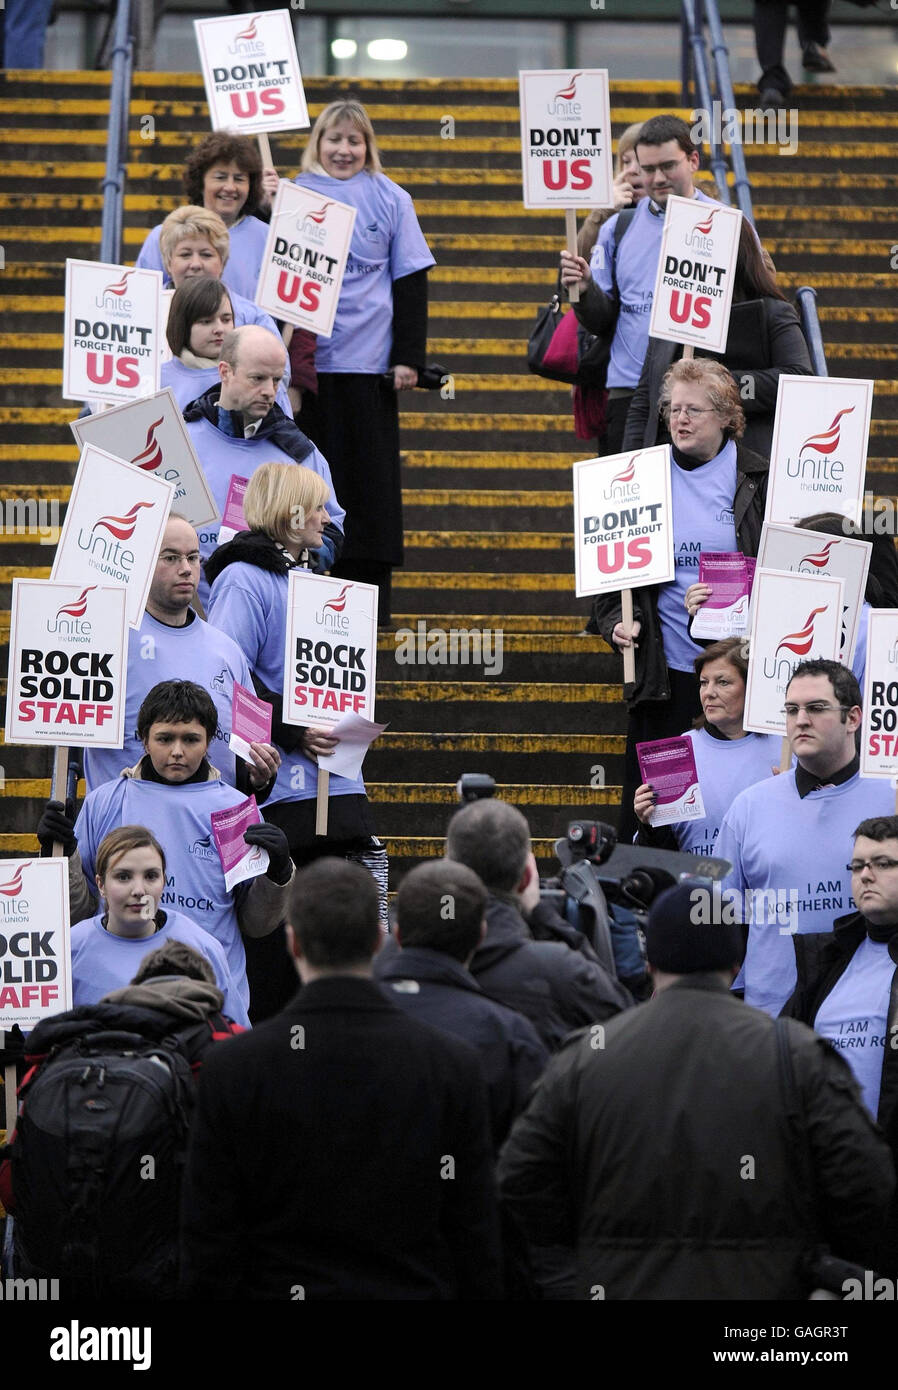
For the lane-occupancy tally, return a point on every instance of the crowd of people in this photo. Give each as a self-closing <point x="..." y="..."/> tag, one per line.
<point x="472" y="1104"/>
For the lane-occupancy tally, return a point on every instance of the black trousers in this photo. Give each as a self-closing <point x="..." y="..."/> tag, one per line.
<point x="770" y="17"/>
<point x="611" y="440"/>
<point x="649" y="720"/>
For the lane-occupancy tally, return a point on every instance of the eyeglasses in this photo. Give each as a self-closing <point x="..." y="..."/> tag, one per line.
<point x="879" y="865"/>
<point x="814" y="710"/>
<point x="666" y="168"/>
<point x="690" y="411"/>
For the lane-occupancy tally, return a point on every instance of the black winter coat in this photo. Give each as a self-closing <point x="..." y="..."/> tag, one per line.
<point x="663" y="1161"/>
<point x="764" y="340"/>
<point x="557" y="988"/>
<point x="652" y="681"/>
<point x="436" y="989"/>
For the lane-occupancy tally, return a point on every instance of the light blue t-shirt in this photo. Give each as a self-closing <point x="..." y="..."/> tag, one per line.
<point x="241" y="273"/>
<point x="102" y="962"/>
<point x="635" y="272"/>
<point x="179" y="817"/>
<point x="387" y="243"/>
<point x="159" y="652"/>
<point x="725" y="767"/>
<point x="855" y="1012"/>
<point x="795" y="849"/>
<point x="189" y="383"/>
<point x="702" y="505"/>
<point x="223" y="457"/>
<point x="859" y="660"/>
<point x="251" y="604"/>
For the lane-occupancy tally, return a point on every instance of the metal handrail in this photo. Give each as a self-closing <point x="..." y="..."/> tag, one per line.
<point x="113" y="187"/>
<point x="694" y="70"/>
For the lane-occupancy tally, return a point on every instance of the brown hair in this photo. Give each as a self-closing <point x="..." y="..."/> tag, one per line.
<point x="732" y="650"/>
<point x="198" y="298"/>
<point x="122" y="841"/>
<point x="222" y="147"/>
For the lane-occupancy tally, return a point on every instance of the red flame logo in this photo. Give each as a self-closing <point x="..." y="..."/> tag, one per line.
<point x="150" y="455"/>
<point x="801" y="642"/>
<point x="79" y="607"/>
<point x="338" y="603"/>
<point x="690" y="800"/>
<point x="705" y="226"/>
<point x="248" y="34"/>
<point x="627" y="475"/>
<point x="828" y="440"/>
<point x="821" y="558"/>
<point x="570" y="91"/>
<point x="14" y="887"/>
<point x="120" y="285"/>
<point x="321" y="214"/>
<point x="122" y="527"/>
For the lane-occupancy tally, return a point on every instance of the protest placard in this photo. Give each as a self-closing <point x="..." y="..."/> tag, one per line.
<point x="250" y="721"/>
<point x="795" y="618"/>
<point x="668" y="764"/>
<point x="35" y="947"/>
<point x="305" y="258"/>
<point x="566" y="138"/>
<point x="232" y="518"/>
<point x="879" y="730"/>
<point x="112" y="336"/>
<point x="251" y="71"/>
<point x="814" y="552"/>
<point x="114" y="540"/>
<point x="151" y="435"/>
<point x="818" y="457"/>
<point x="725" y="614"/>
<point x="68" y="649"/>
<point x="239" y="860"/>
<point x="696" y="270"/>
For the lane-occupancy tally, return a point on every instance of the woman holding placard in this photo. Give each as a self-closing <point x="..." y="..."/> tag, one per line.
<point x="718" y="491"/>
<point x="284" y="510"/>
<point x="378" y="345"/>
<point x="727" y="757"/>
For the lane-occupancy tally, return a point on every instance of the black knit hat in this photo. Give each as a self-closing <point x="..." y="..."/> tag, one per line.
<point x="686" y="933"/>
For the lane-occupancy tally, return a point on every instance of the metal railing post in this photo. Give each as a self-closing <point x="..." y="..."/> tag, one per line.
<point x="113" y="186"/>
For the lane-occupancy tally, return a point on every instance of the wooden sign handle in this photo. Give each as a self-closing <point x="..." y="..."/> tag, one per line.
<point x="785" y="755"/>
<point x="57" y="788"/>
<point x="265" y="151"/>
<point x="570" y="234"/>
<point x="688" y="352"/>
<point x="324" y="780"/>
<point x="626" y="614"/>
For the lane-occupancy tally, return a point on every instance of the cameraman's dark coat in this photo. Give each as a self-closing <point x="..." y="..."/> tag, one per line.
<point x="556" y="987"/>
<point x="663" y="1160"/>
<point x="652" y="682"/>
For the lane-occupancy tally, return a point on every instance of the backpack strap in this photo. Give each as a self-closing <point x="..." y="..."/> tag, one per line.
<point x="624" y="218"/>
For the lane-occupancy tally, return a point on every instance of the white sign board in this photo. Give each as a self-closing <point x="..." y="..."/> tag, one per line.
<point x="331" y="650"/>
<point x="818" y="458"/>
<point x="623" y="531"/>
<point x="36" y="964"/>
<point x="813" y="552"/>
<point x="795" y="618"/>
<point x="151" y="435"/>
<point x="879" y="730"/>
<point x="251" y="72"/>
<point x="113" y="528"/>
<point x="68" y="664"/>
<point x="696" y="269"/>
<point x="566" y="138"/>
<point x="305" y="258"/>
<point x="112" y="340"/>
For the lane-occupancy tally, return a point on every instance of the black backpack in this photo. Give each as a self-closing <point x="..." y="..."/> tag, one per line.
<point x="99" y="1151"/>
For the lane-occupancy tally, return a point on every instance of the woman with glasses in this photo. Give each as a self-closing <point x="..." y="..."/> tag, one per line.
<point x="718" y="491"/>
<point x="727" y="757"/>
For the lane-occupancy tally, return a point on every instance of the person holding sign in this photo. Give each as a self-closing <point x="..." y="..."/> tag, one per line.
<point x="107" y="949"/>
<point x="284" y="509"/>
<point x="718" y="492"/>
<point x="727" y="757"/>
<point x="378" y="345"/>
<point x="764" y="340"/>
<point x="175" y="789"/>
<point x="224" y="175"/>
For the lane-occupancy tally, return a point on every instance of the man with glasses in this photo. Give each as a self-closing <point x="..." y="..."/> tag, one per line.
<point x="620" y="279"/>
<point x="786" y="837"/>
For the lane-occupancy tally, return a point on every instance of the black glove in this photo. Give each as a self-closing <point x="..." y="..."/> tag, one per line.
<point x="272" y="838"/>
<point x="57" y="825"/>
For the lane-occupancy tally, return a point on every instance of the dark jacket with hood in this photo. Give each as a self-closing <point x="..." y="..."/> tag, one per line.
<point x="277" y="429"/>
<point x="557" y="988"/>
<point x="665" y="1162"/>
<point x="652" y="679"/>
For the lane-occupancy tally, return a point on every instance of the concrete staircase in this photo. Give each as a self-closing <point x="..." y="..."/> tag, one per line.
<point x="487" y="470"/>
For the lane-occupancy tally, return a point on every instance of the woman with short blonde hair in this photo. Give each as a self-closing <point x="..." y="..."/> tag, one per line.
<point x="279" y="498"/>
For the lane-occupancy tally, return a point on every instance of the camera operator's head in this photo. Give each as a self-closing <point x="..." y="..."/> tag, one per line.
<point x="493" y="839"/>
<point x="440" y="906"/>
